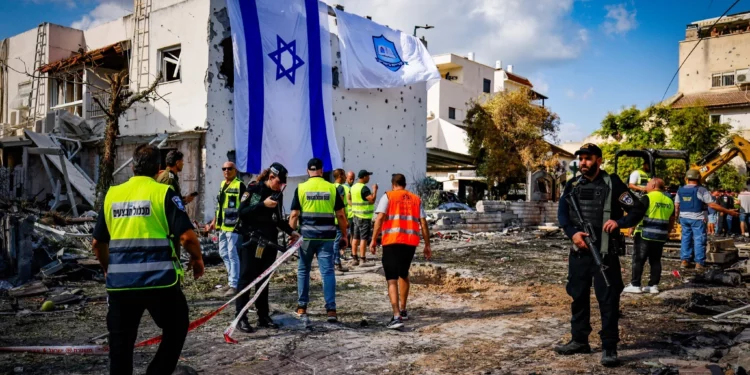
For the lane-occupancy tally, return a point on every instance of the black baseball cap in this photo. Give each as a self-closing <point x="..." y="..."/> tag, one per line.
<point x="279" y="170"/>
<point x="363" y="173"/>
<point x="314" y="164"/>
<point x="589" y="149"/>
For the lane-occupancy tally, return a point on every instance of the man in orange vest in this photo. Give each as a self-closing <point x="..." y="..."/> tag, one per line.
<point x="400" y="215"/>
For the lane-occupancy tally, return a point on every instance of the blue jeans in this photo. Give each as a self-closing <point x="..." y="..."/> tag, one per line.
<point x="693" y="239"/>
<point x="324" y="251"/>
<point x="337" y="248"/>
<point x="228" y="243"/>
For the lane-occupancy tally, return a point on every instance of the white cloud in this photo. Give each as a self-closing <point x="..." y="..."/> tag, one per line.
<point x="67" y="3"/>
<point x="619" y="20"/>
<point x="570" y="132"/>
<point x="103" y="13"/>
<point x="570" y="93"/>
<point x="540" y="83"/>
<point x="524" y="33"/>
<point x="587" y="93"/>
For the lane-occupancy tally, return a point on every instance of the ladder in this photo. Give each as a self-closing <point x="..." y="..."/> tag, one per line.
<point x="38" y="91"/>
<point x="141" y="43"/>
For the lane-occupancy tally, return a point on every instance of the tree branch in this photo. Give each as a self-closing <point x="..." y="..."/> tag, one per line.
<point x="144" y="93"/>
<point x="101" y="106"/>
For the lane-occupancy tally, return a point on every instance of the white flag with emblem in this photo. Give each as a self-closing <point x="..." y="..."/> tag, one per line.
<point x="376" y="56"/>
<point x="282" y="85"/>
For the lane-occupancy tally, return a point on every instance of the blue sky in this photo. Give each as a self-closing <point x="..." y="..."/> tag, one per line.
<point x="589" y="56"/>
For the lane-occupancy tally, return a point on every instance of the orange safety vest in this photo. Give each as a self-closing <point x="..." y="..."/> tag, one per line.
<point x="402" y="224"/>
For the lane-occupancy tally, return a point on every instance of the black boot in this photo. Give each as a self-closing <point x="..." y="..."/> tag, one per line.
<point x="609" y="358"/>
<point x="267" y="322"/>
<point x="572" y="347"/>
<point x="244" y="326"/>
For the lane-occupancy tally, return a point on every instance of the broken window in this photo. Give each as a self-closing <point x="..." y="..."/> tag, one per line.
<point x="728" y="79"/>
<point x="67" y="92"/>
<point x="170" y="63"/>
<point x="716" y="80"/>
<point x="487" y="84"/>
<point x="451" y="113"/>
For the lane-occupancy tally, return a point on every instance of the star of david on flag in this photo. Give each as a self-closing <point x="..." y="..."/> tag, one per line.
<point x="283" y="88"/>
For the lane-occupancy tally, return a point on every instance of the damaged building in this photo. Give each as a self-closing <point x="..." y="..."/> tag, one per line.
<point x="52" y="77"/>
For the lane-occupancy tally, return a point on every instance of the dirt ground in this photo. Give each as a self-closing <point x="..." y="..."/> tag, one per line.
<point x="485" y="306"/>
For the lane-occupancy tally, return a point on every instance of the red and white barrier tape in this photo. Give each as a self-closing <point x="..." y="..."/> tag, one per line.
<point x="230" y="330"/>
<point x="102" y="349"/>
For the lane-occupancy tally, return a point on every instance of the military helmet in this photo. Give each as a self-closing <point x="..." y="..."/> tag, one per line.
<point x="693" y="174"/>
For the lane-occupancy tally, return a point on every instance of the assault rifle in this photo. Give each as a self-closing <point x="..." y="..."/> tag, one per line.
<point x="591" y="238"/>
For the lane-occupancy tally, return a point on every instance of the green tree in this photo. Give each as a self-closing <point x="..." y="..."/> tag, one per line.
<point x="726" y="178"/>
<point x="660" y="127"/>
<point x="507" y="138"/>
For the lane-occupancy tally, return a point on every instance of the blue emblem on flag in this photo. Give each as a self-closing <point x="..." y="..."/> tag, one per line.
<point x="386" y="53"/>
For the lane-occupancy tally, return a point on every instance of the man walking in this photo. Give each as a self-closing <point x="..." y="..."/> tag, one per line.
<point x="170" y="175"/>
<point x="400" y="216"/>
<point x="726" y="223"/>
<point x="690" y="203"/>
<point x="363" y="206"/>
<point x="317" y="206"/>
<point x="603" y="199"/>
<point x="342" y="190"/>
<point x="650" y="236"/>
<point x="227" y="216"/>
<point x="142" y="271"/>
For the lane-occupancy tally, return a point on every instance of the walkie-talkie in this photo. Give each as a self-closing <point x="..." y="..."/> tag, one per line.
<point x="275" y="196"/>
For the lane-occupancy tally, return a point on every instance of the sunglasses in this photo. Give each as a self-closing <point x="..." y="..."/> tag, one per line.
<point x="227" y="169"/>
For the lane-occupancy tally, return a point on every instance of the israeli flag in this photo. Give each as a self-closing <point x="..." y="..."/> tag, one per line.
<point x="376" y="56"/>
<point x="282" y="85"/>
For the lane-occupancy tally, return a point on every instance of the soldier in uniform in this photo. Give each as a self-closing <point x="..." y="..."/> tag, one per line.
<point x="603" y="200"/>
<point x="169" y="176"/>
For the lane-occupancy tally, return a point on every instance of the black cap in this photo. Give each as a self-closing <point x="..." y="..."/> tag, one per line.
<point x="314" y="164"/>
<point x="363" y="173"/>
<point x="279" y="170"/>
<point x="590" y="149"/>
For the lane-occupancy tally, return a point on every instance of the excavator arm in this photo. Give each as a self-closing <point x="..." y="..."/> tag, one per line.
<point x="717" y="159"/>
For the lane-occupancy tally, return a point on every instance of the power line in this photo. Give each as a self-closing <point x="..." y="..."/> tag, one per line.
<point x="696" y="46"/>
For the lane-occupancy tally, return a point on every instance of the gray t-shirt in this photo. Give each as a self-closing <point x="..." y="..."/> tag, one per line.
<point x="383" y="207"/>
<point x="744" y="199"/>
<point x="704" y="196"/>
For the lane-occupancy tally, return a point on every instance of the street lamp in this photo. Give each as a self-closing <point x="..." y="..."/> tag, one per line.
<point x="422" y="27"/>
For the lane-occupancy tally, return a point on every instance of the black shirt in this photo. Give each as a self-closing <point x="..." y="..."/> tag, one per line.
<point x="296" y="206"/>
<point x="727" y="202"/>
<point x="177" y="219"/>
<point x="255" y="216"/>
<point x="366" y="192"/>
<point x="623" y="201"/>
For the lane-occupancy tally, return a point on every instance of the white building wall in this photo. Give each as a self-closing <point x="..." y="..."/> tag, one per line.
<point x="21" y="50"/>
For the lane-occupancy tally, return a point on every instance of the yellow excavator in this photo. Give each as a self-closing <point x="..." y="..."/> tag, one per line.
<point x="706" y="166"/>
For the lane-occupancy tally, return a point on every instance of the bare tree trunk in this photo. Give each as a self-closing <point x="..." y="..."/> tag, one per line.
<point x="120" y="101"/>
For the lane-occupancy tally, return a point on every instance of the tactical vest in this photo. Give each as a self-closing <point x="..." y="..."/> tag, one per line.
<point x="141" y="255"/>
<point x="402" y="224"/>
<point x="318" y="200"/>
<point x="361" y="207"/>
<point x="689" y="201"/>
<point x="655" y="224"/>
<point x="347" y="209"/>
<point x="595" y="202"/>
<point x="229" y="206"/>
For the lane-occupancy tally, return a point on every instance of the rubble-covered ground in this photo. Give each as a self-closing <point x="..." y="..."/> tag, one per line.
<point x="491" y="305"/>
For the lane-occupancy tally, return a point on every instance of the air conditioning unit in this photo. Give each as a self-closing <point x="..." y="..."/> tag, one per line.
<point x="742" y="77"/>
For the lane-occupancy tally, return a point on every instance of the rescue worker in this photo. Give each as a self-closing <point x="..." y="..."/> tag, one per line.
<point x="316" y="206"/>
<point x="170" y="175"/>
<point x="602" y="199"/>
<point x="261" y="217"/>
<point x="650" y="235"/>
<point x="343" y="190"/>
<point x="227" y="216"/>
<point x="639" y="178"/>
<point x="363" y="207"/>
<point x="350" y="178"/>
<point x="690" y="203"/>
<point x="400" y="216"/>
<point x="142" y="271"/>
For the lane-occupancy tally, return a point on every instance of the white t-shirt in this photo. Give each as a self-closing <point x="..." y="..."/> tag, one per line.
<point x="635" y="178"/>
<point x="383" y="207"/>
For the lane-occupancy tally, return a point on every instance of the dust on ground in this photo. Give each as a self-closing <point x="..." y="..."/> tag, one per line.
<point x="485" y="306"/>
